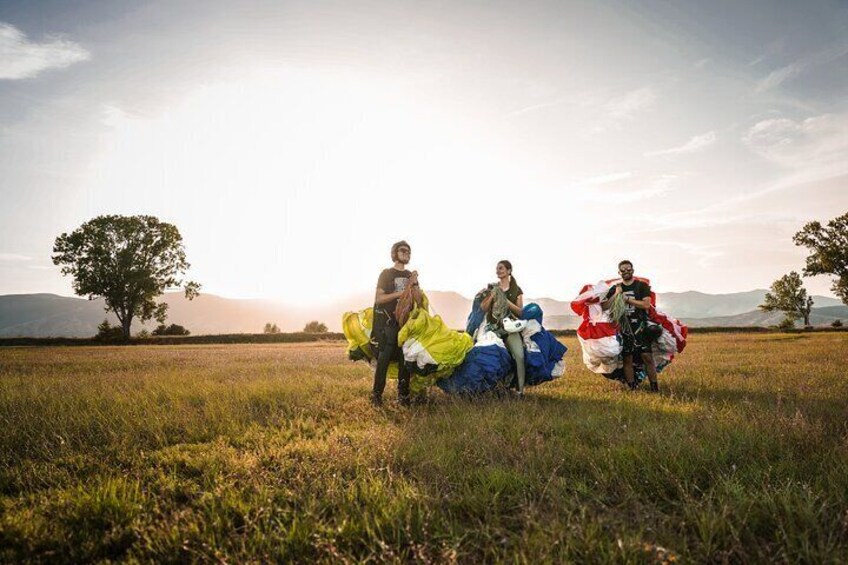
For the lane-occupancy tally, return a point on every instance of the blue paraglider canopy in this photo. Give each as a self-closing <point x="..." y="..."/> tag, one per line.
<point x="532" y="311"/>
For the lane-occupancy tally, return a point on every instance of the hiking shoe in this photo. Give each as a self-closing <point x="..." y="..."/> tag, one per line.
<point x="655" y="387"/>
<point x="376" y="401"/>
<point x="404" y="401"/>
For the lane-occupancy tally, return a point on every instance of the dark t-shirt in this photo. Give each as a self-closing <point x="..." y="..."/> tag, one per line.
<point x="638" y="290"/>
<point x="391" y="281"/>
<point x="512" y="294"/>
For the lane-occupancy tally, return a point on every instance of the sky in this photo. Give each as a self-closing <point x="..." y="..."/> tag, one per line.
<point x="293" y="142"/>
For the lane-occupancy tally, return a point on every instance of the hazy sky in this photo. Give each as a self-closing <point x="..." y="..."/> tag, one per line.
<point x="293" y="142"/>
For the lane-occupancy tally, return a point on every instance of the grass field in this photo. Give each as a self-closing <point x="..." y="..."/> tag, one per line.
<point x="238" y="453"/>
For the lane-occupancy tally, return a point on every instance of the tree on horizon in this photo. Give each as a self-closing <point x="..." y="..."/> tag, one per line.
<point x="128" y="261"/>
<point x="789" y="296"/>
<point x="315" y="327"/>
<point x="828" y="247"/>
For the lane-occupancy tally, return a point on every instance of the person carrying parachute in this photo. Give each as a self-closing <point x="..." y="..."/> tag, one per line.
<point x="424" y="350"/>
<point x="635" y="297"/>
<point x="385" y="326"/>
<point x="623" y="336"/>
<point x="503" y="308"/>
<point x="511" y="348"/>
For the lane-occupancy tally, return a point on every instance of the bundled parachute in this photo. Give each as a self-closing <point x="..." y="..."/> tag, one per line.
<point x="430" y="348"/>
<point x="454" y="360"/>
<point x="599" y="336"/>
<point x="486" y="365"/>
<point x="543" y="354"/>
<point x="357" y="330"/>
<point x="489" y="364"/>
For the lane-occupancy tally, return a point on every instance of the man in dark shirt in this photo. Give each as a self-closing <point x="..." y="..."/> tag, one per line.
<point x="384" y="334"/>
<point x="637" y="296"/>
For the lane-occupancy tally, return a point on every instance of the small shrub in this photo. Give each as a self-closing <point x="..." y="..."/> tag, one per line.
<point x="108" y="332"/>
<point x="315" y="327"/>
<point x="786" y="324"/>
<point x="836" y="323"/>
<point x="271" y="328"/>
<point x="173" y="329"/>
<point x="143" y="334"/>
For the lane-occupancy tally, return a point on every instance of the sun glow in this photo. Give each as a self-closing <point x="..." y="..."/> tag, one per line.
<point x="281" y="179"/>
<point x="287" y="174"/>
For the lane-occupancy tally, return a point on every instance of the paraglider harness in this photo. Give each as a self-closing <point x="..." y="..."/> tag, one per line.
<point x="411" y="298"/>
<point x="638" y="340"/>
<point x="635" y="341"/>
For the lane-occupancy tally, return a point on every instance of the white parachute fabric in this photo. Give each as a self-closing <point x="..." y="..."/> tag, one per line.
<point x="599" y="337"/>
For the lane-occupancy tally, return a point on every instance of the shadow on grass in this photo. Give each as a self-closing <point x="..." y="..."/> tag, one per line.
<point x="514" y="477"/>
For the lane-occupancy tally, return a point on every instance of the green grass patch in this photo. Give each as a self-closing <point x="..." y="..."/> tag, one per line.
<point x="271" y="452"/>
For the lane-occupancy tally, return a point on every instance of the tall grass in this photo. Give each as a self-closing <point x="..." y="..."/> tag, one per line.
<point x="272" y="452"/>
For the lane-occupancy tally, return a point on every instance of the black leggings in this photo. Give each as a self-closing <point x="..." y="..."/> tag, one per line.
<point x="389" y="351"/>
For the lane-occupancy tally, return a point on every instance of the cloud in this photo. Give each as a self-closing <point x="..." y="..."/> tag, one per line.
<point x="624" y="107"/>
<point x="13" y="257"/>
<point x="778" y="77"/>
<point x="713" y="216"/>
<point x="788" y="72"/>
<point x="695" y="144"/>
<point x="655" y="187"/>
<point x="21" y="58"/>
<point x="533" y="108"/>
<point x="704" y="255"/>
<point x="817" y="145"/>
<point x="112" y="115"/>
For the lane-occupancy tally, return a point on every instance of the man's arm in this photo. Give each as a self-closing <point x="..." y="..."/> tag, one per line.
<point x="383" y="297"/>
<point x="605" y="304"/>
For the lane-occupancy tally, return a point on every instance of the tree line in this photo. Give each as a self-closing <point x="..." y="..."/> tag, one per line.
<point x="130" y="261"/>
<point x="828" y="247"/>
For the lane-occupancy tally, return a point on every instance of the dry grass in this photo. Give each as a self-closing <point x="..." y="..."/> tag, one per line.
<point x="271" y="452"/>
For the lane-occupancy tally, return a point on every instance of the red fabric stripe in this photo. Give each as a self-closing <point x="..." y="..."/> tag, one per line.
<point x="588" y="330"/>
<point x="579" y="307"/>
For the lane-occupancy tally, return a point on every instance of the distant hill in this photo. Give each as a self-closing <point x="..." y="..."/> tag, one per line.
<point x="818" y="317"/>
<point x="49" y="315"/>
<point x="693" y="304"/>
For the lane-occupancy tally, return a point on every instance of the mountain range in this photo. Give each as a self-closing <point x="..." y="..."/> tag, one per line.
<point x="50" y="315"/>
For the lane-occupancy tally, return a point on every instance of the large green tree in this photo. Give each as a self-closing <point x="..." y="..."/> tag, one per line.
<point x="789" y="296"/>
<point x="129" y="261"/>
<point x="829" y="252"/>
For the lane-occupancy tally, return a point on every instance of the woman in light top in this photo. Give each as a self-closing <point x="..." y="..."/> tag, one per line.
<point x="515" y="302"/>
